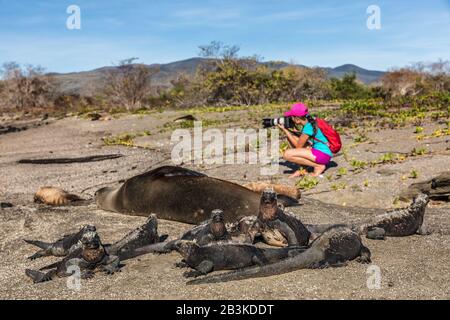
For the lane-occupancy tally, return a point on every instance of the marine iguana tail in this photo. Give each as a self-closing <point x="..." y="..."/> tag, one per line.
<point x="45" y="246"/>
<point x="60" y="247"/>
<point x="39" y="244"/>
<point x="38" y="276"/>
<point x="335" y="246"/>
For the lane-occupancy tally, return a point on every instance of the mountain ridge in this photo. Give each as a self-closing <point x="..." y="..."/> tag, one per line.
<point x="86" y="83"/>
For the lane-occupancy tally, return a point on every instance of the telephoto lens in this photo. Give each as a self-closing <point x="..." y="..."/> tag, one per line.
<point x="284" y="121"/>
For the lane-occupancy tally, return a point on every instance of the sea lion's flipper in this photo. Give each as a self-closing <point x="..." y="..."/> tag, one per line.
<point x="38" y="276"/>
<point x="287" y="201"/>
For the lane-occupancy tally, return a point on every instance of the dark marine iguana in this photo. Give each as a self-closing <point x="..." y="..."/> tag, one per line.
<point x="144" y="235"/>
<point x="89" y="258"/>
<point x="227" y="256"/>
<point x="60" y="247"/>
<point x="333" y="247"/>
<point x="275" y="226"/>
<point x="394" y="223"/>
<point x="147" y="234"/>
<point x="211" y="230"/>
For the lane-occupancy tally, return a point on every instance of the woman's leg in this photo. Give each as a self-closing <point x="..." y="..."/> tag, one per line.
<point x="304" y="157"/>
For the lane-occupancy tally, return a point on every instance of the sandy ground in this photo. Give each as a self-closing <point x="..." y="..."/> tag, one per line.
<point x="416" y="267"/>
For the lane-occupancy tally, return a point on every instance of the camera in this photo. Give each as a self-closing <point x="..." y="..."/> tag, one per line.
<point x="284" y="121"/>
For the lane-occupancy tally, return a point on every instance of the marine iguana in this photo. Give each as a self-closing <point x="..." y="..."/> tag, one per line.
<point x="89" y="258"/>
<point x="209" y="231"/>
<point x="227" y="256"/>
<point x="394" y="223"/>
<point x="333" y="248"/>
<point x="60" y="247"/>
<point x="275" y="226"/>
<point x="144" y="235"/>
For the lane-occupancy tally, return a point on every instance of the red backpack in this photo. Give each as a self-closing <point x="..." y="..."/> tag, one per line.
<point x="334" y="140"/>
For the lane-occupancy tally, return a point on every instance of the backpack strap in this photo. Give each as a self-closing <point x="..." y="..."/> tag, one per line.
<point x="314" y="138"/>
<point x="315" y="133"/>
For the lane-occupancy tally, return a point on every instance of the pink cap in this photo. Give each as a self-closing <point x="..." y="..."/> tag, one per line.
<point x="297" y="110"/>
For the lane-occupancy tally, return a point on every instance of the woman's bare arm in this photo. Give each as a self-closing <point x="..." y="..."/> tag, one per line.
<point x="301" y="142"/>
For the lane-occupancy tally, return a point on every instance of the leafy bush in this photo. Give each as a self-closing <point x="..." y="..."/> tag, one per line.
<point x="349" y="88"/>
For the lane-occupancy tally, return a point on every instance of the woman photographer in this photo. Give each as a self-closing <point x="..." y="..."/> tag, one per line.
<point x="318" y="154"/>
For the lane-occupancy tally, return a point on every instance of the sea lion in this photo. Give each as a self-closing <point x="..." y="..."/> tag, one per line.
<point x="180" y="194"/>
<point x="334" y="247"/>
<point x="54" y="196"/>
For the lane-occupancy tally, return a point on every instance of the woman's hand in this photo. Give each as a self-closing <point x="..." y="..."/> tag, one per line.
<point x="281" y="127"/>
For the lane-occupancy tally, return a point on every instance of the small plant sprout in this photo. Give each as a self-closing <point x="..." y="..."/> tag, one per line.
<point x="338" y="186"/>
<point x="307" y="182"/>
<point x="418" y="130"/>
<point x="413" y="174"/>
<point x="418" y="151"/>
<point x="342" y="172"/>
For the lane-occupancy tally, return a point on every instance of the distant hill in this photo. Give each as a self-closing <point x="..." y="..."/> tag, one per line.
<point x="364" y="75"/>
<point x="87" y="83"/>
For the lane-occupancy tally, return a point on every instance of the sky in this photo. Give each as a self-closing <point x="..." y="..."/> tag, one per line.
<point x="325" y="33"/>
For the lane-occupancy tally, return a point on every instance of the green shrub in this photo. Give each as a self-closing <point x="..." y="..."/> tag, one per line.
<point x="307" y="182"/>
